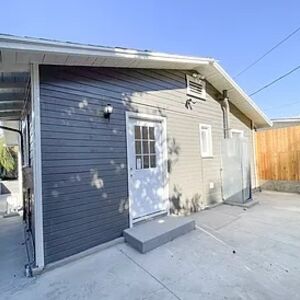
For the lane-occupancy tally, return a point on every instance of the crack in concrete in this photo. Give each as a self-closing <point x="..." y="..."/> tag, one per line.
<point x="150" y="274"/>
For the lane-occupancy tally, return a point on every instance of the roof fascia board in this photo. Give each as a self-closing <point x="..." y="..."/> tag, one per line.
<point x="37" y="45"/>
<point x="236" y="87"/>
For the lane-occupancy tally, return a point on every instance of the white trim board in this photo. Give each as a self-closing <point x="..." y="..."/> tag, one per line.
<point x="37" y="168"/>
<point x="163" y="120"/>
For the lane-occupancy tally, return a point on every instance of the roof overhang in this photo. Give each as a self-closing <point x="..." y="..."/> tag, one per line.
<point x="12" y="94"/>
<point x="17" y="53"/>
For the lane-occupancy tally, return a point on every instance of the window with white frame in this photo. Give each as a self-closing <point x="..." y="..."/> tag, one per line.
<point x="236" y="133"/>
<point x="205" y="140"/>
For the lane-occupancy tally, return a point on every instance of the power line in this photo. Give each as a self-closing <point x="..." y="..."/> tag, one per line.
<point x="268" y="52"/>
<point x="281" y="106"/>
<point x="274" y="81"/>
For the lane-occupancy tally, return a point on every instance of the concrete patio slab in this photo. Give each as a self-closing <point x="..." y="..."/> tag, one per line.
<point x="12" y="250"/>
<point x="232" y="254"/>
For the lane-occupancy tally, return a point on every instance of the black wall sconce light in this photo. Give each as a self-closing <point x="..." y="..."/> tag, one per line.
<point x="108" y="109"/>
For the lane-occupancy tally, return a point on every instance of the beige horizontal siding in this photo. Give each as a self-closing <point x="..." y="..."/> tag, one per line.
<point x="189" y="174"/>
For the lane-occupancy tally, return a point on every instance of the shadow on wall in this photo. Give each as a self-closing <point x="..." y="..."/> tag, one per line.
<point x="85" y="180"/>
<point x="173" y="153"/>
<point x="178" y="204"/>
<point x="185" y="206"/>
<point x="93" y="165"/>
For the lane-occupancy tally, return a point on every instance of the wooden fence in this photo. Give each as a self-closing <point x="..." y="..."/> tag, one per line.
<point x="278" y="153"/>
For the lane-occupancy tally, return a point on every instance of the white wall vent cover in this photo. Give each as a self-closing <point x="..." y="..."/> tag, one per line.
<point x="196" y="87"/>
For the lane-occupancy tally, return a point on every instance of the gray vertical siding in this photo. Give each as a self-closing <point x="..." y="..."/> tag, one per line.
<point x="84" y="156"/>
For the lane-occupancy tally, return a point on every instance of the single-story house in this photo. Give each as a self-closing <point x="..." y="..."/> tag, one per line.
<point x="113" y="136"/>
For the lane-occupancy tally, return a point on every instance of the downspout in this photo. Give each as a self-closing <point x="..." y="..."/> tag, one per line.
<point x="225" y="109"/>
<point x="226" y="128"/>
<point x="255" y="155"/>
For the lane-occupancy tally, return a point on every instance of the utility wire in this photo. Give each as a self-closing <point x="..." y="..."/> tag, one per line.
<point x="281" y="106"/>
<point x="268" y="52"/>
<point x="274" y="81"/>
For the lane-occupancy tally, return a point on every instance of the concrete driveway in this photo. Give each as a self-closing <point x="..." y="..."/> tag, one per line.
<point x="233" y="254"/>
<point x="12" y="250"/>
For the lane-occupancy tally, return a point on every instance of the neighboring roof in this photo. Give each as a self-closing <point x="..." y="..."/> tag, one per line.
<point x="283" y="122"/>
<point x="18" y="52"/>
<point x="286" y="120"/>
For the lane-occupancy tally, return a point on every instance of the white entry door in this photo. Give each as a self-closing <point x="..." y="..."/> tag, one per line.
<point x="146" y="167"/>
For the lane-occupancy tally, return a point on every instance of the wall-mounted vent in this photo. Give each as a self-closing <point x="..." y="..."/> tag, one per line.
<point x="196" y="87"/>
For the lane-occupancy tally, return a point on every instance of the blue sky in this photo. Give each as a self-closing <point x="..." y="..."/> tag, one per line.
<point x="234" y="32"/>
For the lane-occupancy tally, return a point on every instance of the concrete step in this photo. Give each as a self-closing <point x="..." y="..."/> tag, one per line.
<point x="248" y="204"/>
<point x="151" y="234"/>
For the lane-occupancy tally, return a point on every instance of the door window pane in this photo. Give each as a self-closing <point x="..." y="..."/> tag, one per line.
<point x="138" y="147"/>
<point x="152" y="147"/>
<point x="137" y="132"/>
<point x="146" y="161"/>
<point x="145" y="147"/>
<point x="152" y="161"/>
<point x="145" y="133"/>
<point x="151" y="133"/>
<point x="139" y="164"/>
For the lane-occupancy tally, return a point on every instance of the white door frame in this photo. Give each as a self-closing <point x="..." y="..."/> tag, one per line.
<point x="163" y="121"/>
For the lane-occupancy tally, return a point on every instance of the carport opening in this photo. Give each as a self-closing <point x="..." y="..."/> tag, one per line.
<point x="16" y="237"/>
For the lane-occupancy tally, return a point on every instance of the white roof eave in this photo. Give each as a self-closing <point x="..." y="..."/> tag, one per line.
<point x="220" y="76"/>
<point x="56" y="47"/>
